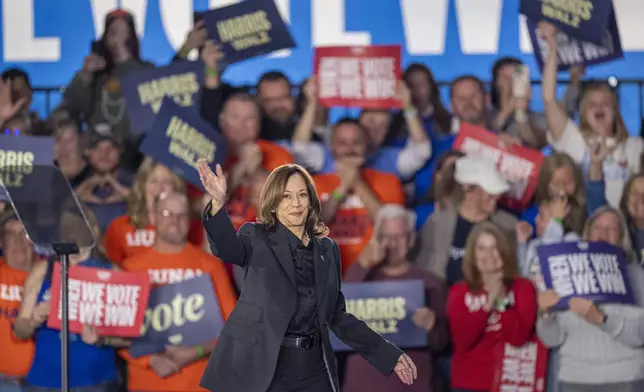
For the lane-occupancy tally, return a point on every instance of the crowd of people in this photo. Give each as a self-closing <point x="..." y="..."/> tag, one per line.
<point x="400" y="202"/>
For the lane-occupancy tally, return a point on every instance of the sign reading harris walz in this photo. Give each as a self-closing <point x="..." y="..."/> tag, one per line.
<point x="592" y="270"/>
<point x="571" y="51"/>
<point x="18" y="156"/>
<point x="179" y="138"/>
<point x="180" y="314"/>
<point x="387" y="307"/>
<point x="248" y="29"/>
<point x="585" y="20"/>
<point x="144" y="91"/>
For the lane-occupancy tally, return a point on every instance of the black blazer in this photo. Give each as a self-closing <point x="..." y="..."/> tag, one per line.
<point x="245" y="356"/>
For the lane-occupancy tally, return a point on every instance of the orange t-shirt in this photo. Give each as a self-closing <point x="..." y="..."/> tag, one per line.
<point x="123" y="240"/>
<point x="173" y="268"/>
<point x="17" y="355"/>
<point x="352" y="227"/>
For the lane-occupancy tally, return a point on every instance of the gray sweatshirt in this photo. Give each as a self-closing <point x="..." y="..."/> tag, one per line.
<point x="591" y="354"/>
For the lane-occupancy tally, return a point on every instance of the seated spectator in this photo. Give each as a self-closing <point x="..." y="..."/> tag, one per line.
<point x="600" y="346"/>
<point x="385" y="259"/>
<point x="172" y="260"/>
<point x="511" y="115"/>
<point x="351" y="197"/>
<point x="68" y="152"/>
<point x="632" y="207"/>
<point x="477" y="190"/>
<point x="94" y="94"/>
<point x="19" y="258"/>
<point x="601" y="127"/>
<point x="133" y="233"/>
<point x="491" y="307"/>
<point x="108" y="186"/>
<point x="92" y="362"/>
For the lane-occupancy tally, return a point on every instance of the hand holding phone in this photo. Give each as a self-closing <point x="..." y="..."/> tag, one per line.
<point x="521" y="89"/>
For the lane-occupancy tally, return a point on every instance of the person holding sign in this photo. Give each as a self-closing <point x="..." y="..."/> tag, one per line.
<point x="385" y="260"/>
<point x="277" y="337"/>
<point x="601" y="346"/>
<point x="92" y="359"/>
<point x="601" y="126"/>
<point x="172" y="259"/>
<point x="491" y="307"/>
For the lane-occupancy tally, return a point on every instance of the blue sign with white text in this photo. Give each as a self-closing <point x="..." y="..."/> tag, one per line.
<point x="248" y="29"/>
<point x="387" y="307"/>
<point x="179" y="137"/>
<point x="592" y="270"/>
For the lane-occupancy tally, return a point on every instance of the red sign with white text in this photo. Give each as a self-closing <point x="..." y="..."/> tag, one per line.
<point x="112" y="301"/>
<point x="517" y="164"/>
<point x="358" y="76"/>
<point x="521" y="369"/>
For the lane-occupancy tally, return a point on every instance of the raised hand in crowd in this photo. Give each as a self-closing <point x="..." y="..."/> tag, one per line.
<point x="374" y="254"/>
<point x="215" y="184"/>
<point x="548" y="32"/>
<point x="211" y="55"/>
<point x="599" y="149"/>
<point x="195" y="39"/>
<point x="524" y="231"/>
<point x="587" y="310"/>
<point x="559" y="208"/>
<point x="403" y="94"/>
<point x="348" y="169"/>
<point x="162" y="365"/>
<point x="547" y="299"/>
<point x="91" y="64"/>
<point x="424" y="318"/>
<point x="8" y="108"/>
<point x="311" y="90"/>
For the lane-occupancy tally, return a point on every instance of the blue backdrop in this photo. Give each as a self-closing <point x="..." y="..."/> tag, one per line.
<point x="466" y="35"/>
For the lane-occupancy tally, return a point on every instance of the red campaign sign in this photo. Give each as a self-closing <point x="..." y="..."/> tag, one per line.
<point x="112" y="301"/>
<point x="358" y="76"/>
<point x="517" y="164"/>
<point x="521" y="369"/>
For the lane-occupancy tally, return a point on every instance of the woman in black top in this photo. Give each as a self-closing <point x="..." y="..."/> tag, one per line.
<point x="277" y="337"/>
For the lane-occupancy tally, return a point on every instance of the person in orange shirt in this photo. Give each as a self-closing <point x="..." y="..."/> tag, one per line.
<point x="172" y="260"/>
<point x="351" y="197"/>
<point x="133" y="234"/>
<point x="19" y="258"/>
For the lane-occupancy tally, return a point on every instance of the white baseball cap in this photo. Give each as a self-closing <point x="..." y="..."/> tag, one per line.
<point x="482" y="172"/>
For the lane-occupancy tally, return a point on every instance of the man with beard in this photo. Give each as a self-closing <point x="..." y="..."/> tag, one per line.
<point x="351" y="197"/>
<point x="278" y="106"/>
<point x="173" y="259"/>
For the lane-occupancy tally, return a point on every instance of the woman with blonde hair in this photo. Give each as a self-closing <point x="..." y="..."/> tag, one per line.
<point x="132" y="233"/>
<point x="491" y="307"/>
<point x="632" y="207"/>
<point x="601" y="127"/>
<point x="601" y="347"/>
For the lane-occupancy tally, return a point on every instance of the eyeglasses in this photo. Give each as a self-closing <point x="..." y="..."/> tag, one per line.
<point x="169" y="214"/>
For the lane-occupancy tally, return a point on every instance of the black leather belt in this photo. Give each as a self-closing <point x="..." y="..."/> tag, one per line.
<point x="303" y="342"/>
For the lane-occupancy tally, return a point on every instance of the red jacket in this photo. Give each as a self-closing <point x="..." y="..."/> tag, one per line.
<point x="476" y="334"/>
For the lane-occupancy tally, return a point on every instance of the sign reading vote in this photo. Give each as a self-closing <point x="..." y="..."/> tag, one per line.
<point x="592" y="270"/>
<point x="248" y="29"/>
<point x="181" y="314"/>
<point x="387" y="307"/>
<point x="112" y="301"/>
<point x="521" y="369"/>
<point x="18" y="156"/>
<point x="571" y="52"/>
<point x="179" y="138"/>
<point x="144" y="91"/>
<point x="517" y="164"/>
<point x="358" y="76"/>
<point x="585" y="20"/>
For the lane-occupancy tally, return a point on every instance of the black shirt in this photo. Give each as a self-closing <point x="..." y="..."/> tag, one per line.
<point x="454" y="271"/>
<point x="304" y="321"/>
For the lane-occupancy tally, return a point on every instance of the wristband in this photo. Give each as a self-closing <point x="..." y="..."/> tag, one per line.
<point x="410" y="112"/>
<point x="212" y="72"/>
<point x="335" y="195"/>
<point x="558" y="220"/>
<point x="199" y="351"/>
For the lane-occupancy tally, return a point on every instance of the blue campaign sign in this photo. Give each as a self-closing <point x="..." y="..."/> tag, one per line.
<point x="592" y="270"/>
<point x="248" y="29"/>
<point x="18" y="157"/>
<point x="144" y="91"/>
<point x="585" y="20"/>
<point x="571" y="51"/>
<point x="179" y="137"/>
<point x="180" y="314"/>
<point x="387" y="307"/>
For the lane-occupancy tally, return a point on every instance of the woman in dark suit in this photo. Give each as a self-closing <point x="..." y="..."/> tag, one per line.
<point x="277" y="337"/>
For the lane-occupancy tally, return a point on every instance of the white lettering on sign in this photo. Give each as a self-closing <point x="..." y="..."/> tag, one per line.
<point x="176" y="313"/>
<point x="379" y="78"/>
<point x="143" y="238"/>
<point x="121" y="305"/>
<point x="519" y="367"/>
<point x="172" y="275"/>
<point x="11" y="293"/>
<point x="584" y="274"/>
<point x="475" y="147"/>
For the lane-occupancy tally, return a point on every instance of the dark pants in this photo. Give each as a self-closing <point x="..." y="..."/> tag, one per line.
<point x="300" y="370"/>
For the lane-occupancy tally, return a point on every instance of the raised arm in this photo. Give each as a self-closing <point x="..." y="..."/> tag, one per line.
<point x="555" y="113"/>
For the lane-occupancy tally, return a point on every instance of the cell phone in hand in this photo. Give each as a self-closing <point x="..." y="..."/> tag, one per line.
<point x="521" y="81"/>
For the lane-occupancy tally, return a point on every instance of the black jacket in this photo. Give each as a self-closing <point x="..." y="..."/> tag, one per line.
<point x="245" y="356"/>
